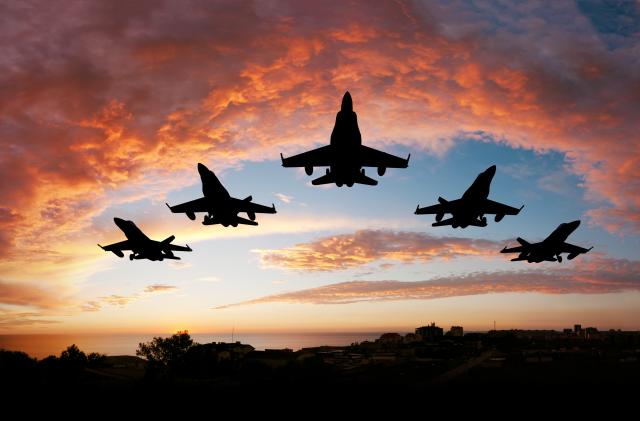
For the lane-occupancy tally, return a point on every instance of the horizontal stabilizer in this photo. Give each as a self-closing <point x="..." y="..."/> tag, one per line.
<point x="442" y="201"/>
<point x="168" y="240"/>
<point x="325" y="179"/>
<point x="363" y="179"/>
<point x="523" y="242"/>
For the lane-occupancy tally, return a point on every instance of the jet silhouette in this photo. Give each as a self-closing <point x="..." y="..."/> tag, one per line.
<point x="142" y="247"/>
<point x="550" y="248"/>
<point x="471" y="207"/>
<point x="221" y="208"/>
<point x="345" y="155"/>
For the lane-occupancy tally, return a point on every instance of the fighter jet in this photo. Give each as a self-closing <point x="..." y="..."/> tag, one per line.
<point x="550" y="249"/>
<point x="345" y="155"/>
<point x="220" y="207"/>
<point x="142" y="247"/>
<point x="471" y="207"/>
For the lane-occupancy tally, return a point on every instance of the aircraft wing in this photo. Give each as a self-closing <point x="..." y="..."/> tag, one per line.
<point x="434" y="209"/>
<point x="524" y="245"/>
<point x="122" y="245"/>
<point x="248" y="206"/>
<point x="445" y="206"/>
<point x="174" y="247"/>
<point x="321" y="157"/>
<point x="198" y="205"/>
<point x="517" y="249"/>
<point x="370" y="157"/>
<point x="572" y="249"/>
<point x="495" y="208"/>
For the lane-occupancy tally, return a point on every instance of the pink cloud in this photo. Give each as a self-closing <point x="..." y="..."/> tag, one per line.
<point x="598" y="276"/>
<point x="98" y="101"/>
<point x="345" y="251"/>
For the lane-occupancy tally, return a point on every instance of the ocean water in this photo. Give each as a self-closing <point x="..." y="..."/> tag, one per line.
<point x="43" y="345"/>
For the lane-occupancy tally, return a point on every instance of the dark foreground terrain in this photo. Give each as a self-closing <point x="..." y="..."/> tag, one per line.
<point x="522" y="365"/>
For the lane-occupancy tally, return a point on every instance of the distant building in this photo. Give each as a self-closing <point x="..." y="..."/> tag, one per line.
<point x="390" y="338"/>
<point x="430" y="332"/>
<point x="577" y="329"/>
<point x="591" y="333"/>
<point x="568" y="331"/>
<point x="456" y="331"/>
<point x="411" y="337"/>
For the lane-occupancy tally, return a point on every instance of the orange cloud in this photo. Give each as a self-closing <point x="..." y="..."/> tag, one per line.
<point x="159" y="288"/>
<point x="22" y="294"/>
<point x="10" y="319"/>
<point x="599" y="276"/>
<point x="345" y="251"/>
<point x="83" y="119"/>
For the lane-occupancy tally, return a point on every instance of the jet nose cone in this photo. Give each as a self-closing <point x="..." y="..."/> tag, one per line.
<point x="119" y="222"/>
<point x="347" y="103"/>
<point x="574" y="224"/>
<point x="202" y="169"/>
<point x="491" y="170"/>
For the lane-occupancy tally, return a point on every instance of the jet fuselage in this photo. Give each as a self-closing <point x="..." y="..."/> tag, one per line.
<point x="346" y="139"/>
<point x="145" y="247"/>
<point x="467" y="213"/>
<point x="218" y="197"/>
<point x="549" y="248"/>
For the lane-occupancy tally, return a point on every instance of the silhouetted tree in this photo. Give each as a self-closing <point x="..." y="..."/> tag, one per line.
<point x="16" y="367"/>
<point x="72" y="362"/>
<point x="165" y="354"/>
<point x="95" y="359"/>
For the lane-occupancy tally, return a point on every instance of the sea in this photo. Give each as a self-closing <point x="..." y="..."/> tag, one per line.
<point x="43" y="345"/>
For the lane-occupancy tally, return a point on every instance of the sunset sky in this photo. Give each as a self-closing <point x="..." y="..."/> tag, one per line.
<point x="107" y="107"/>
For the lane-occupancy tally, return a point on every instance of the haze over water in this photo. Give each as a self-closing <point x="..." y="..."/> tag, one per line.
<point x="43" y="345"/>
